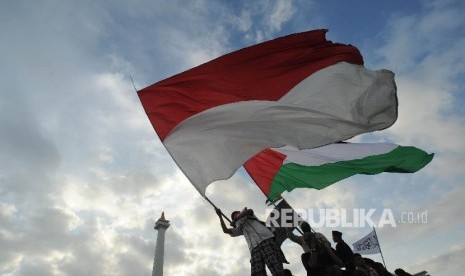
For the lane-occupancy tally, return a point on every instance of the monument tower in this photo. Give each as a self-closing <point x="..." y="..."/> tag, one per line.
<point x="161" y="225"/>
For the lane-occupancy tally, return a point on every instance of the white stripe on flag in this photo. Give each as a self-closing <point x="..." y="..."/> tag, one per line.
<point x="334" y="104"/>
<point x="334" y="153"/>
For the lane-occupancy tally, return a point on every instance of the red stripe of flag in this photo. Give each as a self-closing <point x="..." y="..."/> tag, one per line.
<point x="265" y="71"/>
<point x="263" y="167"/>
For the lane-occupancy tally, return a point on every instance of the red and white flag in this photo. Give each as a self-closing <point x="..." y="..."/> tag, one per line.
<point x="300" y="90"/>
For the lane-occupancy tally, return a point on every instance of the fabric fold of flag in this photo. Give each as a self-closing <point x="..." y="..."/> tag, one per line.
<point x="299" y="90"/>
<point x="287" y="168"/>
<point x="367" y="245"/>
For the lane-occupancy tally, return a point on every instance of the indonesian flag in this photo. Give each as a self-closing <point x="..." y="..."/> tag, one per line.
<point x="287" y="168"/>
<point x="299" y="90"/>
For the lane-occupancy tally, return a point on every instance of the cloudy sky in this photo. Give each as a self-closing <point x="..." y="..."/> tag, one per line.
<point x="83" y="176"/>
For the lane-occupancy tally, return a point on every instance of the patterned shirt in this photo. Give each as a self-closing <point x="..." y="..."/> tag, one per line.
<point x="253" y="231"/>
<point x="301" y="240"/>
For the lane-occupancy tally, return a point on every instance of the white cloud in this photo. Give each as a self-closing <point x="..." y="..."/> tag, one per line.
<point x="447" y="264"/>
<point x="83" y="175"/>
<point x="281" y="13"/>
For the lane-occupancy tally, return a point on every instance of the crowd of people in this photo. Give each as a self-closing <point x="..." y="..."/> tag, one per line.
<point x="319" y="258"/>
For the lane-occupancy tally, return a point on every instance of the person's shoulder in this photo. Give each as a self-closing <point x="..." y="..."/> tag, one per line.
<point x="240" y="221"/>
<point x="301" y="239"/>
<point x="318" y="235"/>
<point x="343" y="243"/>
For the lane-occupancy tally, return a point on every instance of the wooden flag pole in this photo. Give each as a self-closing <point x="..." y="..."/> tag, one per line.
<point x="214" y="206"/>
<point x="380" y="251"/>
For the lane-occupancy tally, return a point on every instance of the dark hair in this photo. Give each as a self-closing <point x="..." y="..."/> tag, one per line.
<point x="305" y="227"/>
<point x="401" y="272"/>
<point x="233" y="214"/>
<point x="337" y="234"/>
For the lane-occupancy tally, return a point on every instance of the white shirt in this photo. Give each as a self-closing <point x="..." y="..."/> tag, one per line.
<point x="253" y="231"/>
<point x="301" y="240"/>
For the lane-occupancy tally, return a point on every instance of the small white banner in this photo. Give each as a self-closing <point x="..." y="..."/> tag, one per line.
<point x="367" y="245"/>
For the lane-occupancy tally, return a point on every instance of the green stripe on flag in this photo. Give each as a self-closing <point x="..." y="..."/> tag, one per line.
<point x="400" y="160"/>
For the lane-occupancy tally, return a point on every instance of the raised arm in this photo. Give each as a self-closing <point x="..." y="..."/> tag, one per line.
<point x="226" y="230"/>
<point x="292" y="236"/>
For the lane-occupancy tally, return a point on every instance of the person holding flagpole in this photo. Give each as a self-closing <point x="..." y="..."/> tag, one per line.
<point x="307" y="241"/>
<point x="263" y="249"/>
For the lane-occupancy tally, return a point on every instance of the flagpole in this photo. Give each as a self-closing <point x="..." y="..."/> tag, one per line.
<point x="133" y="84"/>
<point x="379" y="245"/>
<point x="214" y="206"/>
<point x="298" y="230"/>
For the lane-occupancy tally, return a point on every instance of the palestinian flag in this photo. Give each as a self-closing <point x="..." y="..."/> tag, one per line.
<point x="300" y="90"/>
<point x="287" y="168"/>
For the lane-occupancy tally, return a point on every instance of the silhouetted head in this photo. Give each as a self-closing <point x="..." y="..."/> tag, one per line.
<point x="358" y="260"/>
<point x="337" y="236"/>
<point x="370" y="262"/>
<point x="234" y="214"/>
<point x="401" y="272"/>
<point x="305" y="226"/>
